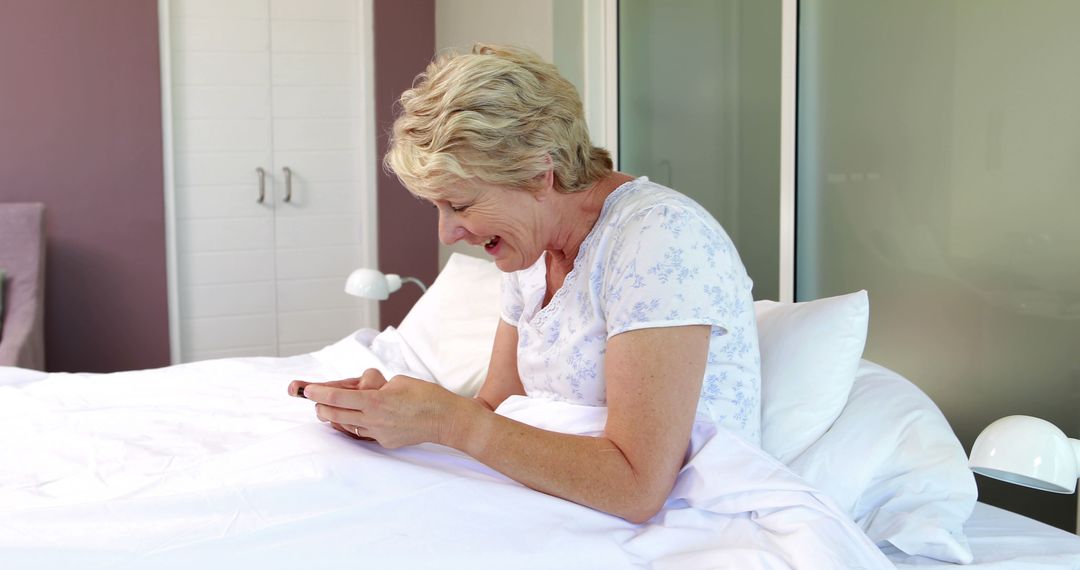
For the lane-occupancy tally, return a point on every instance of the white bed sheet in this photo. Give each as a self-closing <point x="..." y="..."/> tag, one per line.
<point x="210" y="465"/>
<point x="1003" y="540"/>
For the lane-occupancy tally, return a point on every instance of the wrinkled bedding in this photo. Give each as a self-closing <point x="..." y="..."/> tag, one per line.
<point x="210" y="464"/>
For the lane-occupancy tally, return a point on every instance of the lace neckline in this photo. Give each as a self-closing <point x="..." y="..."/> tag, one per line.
<point x="543" y="312"/>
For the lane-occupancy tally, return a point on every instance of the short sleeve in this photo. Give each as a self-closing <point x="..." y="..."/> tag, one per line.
<point x="669" y="266"/>
<point x="511" y="299"/>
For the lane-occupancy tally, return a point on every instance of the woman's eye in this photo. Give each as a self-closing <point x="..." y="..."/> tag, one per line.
<point x="458" y="208"/>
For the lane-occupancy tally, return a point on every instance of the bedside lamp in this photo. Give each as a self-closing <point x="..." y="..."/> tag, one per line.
<point x="372" y="284"/>
<point x="1027" y="451"/>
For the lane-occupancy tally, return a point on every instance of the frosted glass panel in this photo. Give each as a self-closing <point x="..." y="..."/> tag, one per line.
<point x="939" y="168"/>
<point x="699" y="111"/>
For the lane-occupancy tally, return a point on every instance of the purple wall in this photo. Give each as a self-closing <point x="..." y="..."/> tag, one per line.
<point x="80" y="130"/>
<point x="408" y="230"/>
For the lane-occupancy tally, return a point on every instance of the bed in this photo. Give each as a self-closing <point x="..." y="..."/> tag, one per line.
<point x="210" y="465"/>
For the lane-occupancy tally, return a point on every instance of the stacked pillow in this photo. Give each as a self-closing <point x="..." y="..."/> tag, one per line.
<point x="809" y="353"/>
<point x="861" y="433"/>
<point x="891" y="461"/>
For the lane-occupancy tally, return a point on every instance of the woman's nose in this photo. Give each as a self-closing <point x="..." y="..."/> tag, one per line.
<point x="450" y="230"/>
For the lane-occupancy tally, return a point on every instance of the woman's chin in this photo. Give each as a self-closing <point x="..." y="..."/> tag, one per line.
<point x="515" y="261"/>
<point x="508" y="264"/>
<point x="505" y="265"/>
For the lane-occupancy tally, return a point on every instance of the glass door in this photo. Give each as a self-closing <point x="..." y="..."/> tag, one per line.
<point x="699" y="111"/>
<point x="938" y="160"/>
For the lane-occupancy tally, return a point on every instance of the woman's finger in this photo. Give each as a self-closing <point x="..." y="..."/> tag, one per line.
<point x="297" y="388"/>
<point x="349" y="398"/>
<point x="339" y="415"/>
<point x="354" y="432"/>
<point x="371" y="379"/>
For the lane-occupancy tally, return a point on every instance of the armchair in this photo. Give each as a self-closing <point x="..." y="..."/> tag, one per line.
<point x="22" y="259"/>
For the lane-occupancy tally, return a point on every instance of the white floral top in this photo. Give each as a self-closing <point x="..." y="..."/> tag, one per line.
<point x="655" y="258"/>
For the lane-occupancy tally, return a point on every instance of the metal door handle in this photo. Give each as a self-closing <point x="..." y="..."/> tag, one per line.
<point x="288" y="183"/>
<point x="262" y="184"/>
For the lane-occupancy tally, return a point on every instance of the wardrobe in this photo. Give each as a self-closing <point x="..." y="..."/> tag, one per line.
<point x="270" y="173"/>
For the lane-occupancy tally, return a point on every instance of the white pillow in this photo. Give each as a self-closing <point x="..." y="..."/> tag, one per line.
<point x="809" y="353"/>
<point x="451" y="327"/>
<point x="892" y="462"/>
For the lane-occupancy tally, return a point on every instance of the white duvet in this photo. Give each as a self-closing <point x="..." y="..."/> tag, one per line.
<point x="211" y="465"/>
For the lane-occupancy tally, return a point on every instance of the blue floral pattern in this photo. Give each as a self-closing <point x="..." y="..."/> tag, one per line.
<point x="654" y="258"/>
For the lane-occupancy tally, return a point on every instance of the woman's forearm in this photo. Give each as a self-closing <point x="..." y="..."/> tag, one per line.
<point x="592" y="471"/>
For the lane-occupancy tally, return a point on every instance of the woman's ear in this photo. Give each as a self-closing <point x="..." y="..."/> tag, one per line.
<point x="545" y="181"/>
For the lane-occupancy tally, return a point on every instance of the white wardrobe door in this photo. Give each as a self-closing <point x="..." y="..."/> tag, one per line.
<point x="222" y="129"/>
<point x="281" y="85"/>
<point x="318" y="100"/>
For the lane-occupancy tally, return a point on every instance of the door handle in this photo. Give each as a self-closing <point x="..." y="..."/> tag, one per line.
<point x="288" y="183"/>
<point x="262" y="184"/>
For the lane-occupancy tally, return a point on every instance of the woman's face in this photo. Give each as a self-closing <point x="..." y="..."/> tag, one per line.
<point x="508" y="222"/>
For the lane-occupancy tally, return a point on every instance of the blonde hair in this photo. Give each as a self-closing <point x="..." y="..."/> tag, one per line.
<point x="497" y="115"/>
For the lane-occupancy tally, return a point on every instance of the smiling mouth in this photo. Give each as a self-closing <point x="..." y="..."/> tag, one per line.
<point x="491" y="243"/>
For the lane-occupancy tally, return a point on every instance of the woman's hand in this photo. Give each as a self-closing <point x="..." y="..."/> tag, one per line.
<point x="403" y="411"/>
<point x="371" y="379"/>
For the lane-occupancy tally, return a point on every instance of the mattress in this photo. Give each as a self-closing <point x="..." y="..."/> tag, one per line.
<point x="1005" y="540"/>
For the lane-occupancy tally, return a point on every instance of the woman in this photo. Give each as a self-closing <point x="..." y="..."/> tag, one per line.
<point x="616" y="292"/>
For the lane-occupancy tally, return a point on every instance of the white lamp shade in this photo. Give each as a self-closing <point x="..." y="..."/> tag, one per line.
<point x="372" y="284"/>
<point x="1027" y="451"/>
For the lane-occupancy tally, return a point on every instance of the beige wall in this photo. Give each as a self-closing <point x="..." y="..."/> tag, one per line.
<point x="526" y="23"/>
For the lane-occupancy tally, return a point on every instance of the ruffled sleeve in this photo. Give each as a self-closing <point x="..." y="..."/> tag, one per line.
<point x="511" y="298"/>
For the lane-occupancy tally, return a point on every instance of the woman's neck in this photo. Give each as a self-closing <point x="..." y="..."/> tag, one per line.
<point x="579" y="212"/>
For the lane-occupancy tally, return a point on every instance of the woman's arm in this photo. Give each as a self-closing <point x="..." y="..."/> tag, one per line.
<point x="502" y="377"/>
<point x="654" y="381"/>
